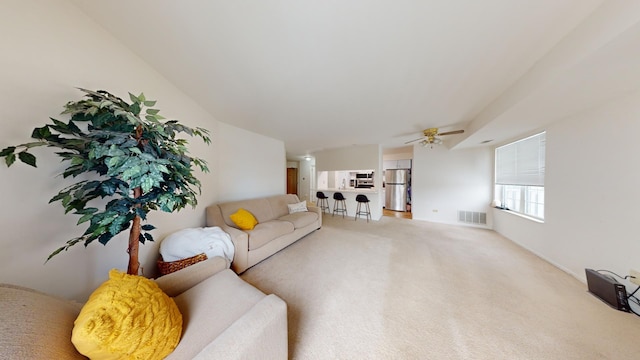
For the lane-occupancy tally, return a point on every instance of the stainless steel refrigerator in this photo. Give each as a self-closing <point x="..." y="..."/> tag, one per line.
<point x="396" y="189"/>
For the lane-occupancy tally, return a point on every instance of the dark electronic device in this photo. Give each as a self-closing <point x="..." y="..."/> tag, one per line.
<point x="607" y="289"/>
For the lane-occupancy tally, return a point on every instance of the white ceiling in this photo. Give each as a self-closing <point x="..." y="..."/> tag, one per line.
<point x="327" y="74"/>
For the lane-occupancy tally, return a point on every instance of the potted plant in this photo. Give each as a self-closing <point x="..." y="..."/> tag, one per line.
<point x="120" y="151"/>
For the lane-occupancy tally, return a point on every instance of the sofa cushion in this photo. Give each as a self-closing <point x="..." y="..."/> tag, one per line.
<point x="127" y="316"/>
<point x="267" y="231"/>
<point x="244" y="219"/>
<point x="209" y="308"/>
<point x="279" y="204"/>
<point x="35" y="325"/>
<point x="260" y="209"/>
<point x="300" y="219"/>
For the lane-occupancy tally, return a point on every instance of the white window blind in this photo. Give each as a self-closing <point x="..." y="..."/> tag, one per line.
<point x="521" y="162"/>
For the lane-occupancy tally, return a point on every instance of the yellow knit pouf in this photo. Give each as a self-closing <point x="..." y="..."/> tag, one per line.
<point x="127" y="317"/>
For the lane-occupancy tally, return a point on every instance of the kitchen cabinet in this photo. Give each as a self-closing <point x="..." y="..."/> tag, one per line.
<point x="397" y="164"/>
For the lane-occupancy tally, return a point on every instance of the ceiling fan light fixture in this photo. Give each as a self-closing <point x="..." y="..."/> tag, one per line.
<point x="430" y="136"/>
<point x="431" y="142"/>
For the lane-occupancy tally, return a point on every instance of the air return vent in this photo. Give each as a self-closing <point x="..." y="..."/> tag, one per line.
<point x="472" y="217"/>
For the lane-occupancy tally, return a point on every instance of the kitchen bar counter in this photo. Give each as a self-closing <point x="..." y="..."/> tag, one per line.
<point x="352" y="190"/>
<point x="373" y="194"/>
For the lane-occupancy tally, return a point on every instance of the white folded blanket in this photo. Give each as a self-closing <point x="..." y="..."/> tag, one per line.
<point x="186" y="243"/>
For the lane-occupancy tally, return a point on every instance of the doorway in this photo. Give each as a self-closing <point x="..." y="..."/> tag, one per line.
<point x="397" y="214"/>
<point x="292" y="181"/>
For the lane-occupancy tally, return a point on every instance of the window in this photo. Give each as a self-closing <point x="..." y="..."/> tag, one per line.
<point x="520" y="176"/>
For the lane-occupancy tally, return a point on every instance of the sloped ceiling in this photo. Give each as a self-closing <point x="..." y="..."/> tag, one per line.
<point x="327" y="74"/>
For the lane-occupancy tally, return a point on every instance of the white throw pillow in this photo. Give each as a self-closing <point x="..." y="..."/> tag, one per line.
<point x="299" y="207"/>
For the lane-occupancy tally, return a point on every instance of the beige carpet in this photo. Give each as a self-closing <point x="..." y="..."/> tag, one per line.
<point x="408" y="289"/>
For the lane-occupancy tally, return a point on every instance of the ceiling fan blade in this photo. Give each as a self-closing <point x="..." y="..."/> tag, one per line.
<point x="451" y="132"/>
<point x="408" y="142"/>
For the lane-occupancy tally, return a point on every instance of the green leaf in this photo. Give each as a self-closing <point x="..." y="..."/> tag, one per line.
<point x="66" y="200"/>
<point x="7" y="151"/>
<point x="108" y="188"/>
<point x="87" y="211"/>
<point x="117" y="225"/>
<point x="77" y="160"/>
<point x="148" y="157"/>
<point x="92" y="111"/>
<point x="132" y="119"/>
<point x="147" y="227"/>
<point x="104" y="238"/>
<point x="84" y="218"/>
<point x="70" y="243"/>
<point x="114" y="163"/>
<point x="105" y="104"/>
<point x="133" y="98"/>
<point x="10" y="159"/>
<point x="41" y="133"/>
<point x="115" y="151"/>
<point x="119" y="113"/>
<point x="135" y="108"/>
<point x="131" y="172"/>
<point x="152" y="111"/>
<point x="147" y="184"/>
<point x="27" y="158"/>
<point x="61" y="127"/>
<point x="140" y="212"/>
<point x="163" y="169"/>
<point x="149" y="103"/>
<point x="60" y="196"/>
<point x="73" y="171"/>
<point x="135" y="150"/>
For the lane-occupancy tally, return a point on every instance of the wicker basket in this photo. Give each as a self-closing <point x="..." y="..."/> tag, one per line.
<point x="169" y="267"/>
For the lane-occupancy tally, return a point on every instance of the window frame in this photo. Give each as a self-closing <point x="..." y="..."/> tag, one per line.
<point x="515" y="189"/>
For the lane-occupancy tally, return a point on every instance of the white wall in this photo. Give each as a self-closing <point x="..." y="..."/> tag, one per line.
<point x="591" y="192"/>
<point x="401" y="153"/>
<point x="445" y="181"/>
<point x="48" y="49"/>
<point x="349" y="158"/>
<point x="254" y="165"/>
<point x="305" y="186"/>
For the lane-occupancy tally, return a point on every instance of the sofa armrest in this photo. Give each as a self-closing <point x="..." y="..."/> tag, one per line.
<point x="318" y="211"/>
<point x="239" y="238"/>
<point x="240" y="241"/>
<point x="261" y="333"/>
<point x="178" y="282"/>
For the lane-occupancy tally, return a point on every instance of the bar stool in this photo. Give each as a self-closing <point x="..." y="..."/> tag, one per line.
<point x="339" y="204"/>
<point x="362" y="199"/>
<point x="322" y="202"/>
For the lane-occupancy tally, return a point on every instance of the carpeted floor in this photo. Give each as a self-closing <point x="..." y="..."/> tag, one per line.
<point x="408" y="289"/>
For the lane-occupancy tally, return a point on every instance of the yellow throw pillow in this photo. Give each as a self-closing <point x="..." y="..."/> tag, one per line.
<point x="244" y="219"/>
<point x="127" y="317"/>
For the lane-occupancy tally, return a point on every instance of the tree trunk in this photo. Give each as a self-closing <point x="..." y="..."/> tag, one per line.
<point x="134" y="242"/>
<point x="134" y="233"/>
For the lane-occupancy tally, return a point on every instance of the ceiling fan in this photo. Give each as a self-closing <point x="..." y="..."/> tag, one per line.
<point x="430" y="136"/>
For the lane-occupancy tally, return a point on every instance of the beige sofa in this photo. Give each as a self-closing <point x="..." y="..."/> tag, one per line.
<point x="276" y="228"/>
<point x="223" y="318"/>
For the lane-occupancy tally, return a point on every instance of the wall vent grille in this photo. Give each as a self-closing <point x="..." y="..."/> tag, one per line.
<point x="472" y="217"/>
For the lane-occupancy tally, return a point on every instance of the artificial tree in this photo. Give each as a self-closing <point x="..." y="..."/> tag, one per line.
<point x="120" y="151"/>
